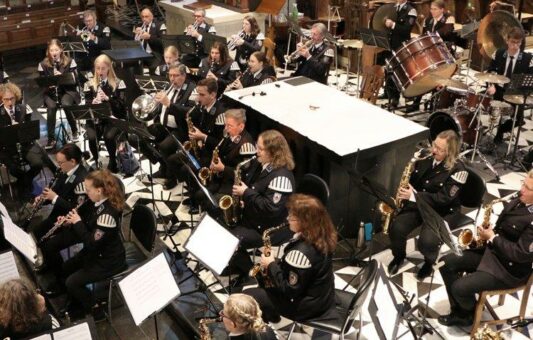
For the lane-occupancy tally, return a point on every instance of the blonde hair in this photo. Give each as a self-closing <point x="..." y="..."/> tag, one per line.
<point x="173" y="50"/>
<point x="452" y="147"/>
<point x="111" y="76"/>
<point x="13" y="89"/>
<point x="530" y="174"/>
<point x="238" y="114"/>
<point x="245" y="312"/>
<point x="277" y="147"/>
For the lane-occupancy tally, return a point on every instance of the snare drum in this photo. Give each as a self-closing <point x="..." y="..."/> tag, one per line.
<point x="448" y="97"/>
<point x="474" y="99"/>
<point x="456" y="121"/>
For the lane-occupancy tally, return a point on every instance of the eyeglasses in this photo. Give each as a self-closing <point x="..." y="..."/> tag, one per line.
<point x="436" y="147"/>
<point x="197" y="16"/>
<point x="8" y="99"/>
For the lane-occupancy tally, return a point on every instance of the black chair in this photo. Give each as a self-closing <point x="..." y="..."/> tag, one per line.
<point x="315" y="186"/>
<point x="348" y="305"/>
<point x="471" y="196"/>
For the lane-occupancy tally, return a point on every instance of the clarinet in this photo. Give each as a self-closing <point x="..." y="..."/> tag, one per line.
<point x="39" y="205"/>
<point x="58" y="225"/>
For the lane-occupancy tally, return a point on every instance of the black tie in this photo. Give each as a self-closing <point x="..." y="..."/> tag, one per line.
<point x="509" y="71"/>
<point x="12" y="115"/>
<point x="165" y="119"/>
<point x="145" y="43"/>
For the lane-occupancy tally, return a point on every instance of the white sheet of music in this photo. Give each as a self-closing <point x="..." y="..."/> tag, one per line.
<point x="212" y="244"/>
<point x="78" y="332"/>
<point x="20" y="239"/>
<point x="8" y="267"/>
<point x="149" y="288"/>
<point x="3" y="211"/>
<point x="43" y="337"/>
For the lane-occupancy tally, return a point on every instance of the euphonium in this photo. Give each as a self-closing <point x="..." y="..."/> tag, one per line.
<point x="257" y="269"/>
<point x="469" y="238"/>
<point x="386" y="211"/>
<point x="296" y="54"/>
<point x="191" y="144"/>
<point x="204" y="328"/>
<point x="231" y="205"/>
<point x="205" y="173"/>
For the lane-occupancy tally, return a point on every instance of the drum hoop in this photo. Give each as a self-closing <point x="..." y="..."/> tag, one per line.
<point x="419" y="38"/>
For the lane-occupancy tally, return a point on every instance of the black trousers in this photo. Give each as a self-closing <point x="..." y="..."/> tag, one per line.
<point x="109" y="134"/>
<point x="390" y="86"/>
<point x="50" y="248"/>
<point x="407" y="221"/>
<point x="67" y="99"/>
<point x="461" y="289"/>
<point x="507" y="125"/>
<point x="268" y="301"/>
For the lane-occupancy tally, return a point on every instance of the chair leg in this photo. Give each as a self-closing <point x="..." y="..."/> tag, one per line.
<point x="501" y="300"/>
<point x="292" y="330"/>
<point x="525" y="298"/>
<point x="360" y="327"/>
<point x="109" y="297"/>
<point x="477" y="315"/>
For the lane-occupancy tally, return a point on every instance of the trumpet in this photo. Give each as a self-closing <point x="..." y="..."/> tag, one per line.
<point x="58" y="225"/>
<point x="296" y="54"/>
<point x="84" y="35"/>
<point x="232" y="43"/>
<point x="205" y="174"/>
<point x="139" y="31"/>
<point x="188" y="30"/>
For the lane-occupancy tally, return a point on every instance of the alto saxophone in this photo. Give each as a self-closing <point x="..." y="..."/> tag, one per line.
<point x="468" y="238"/>
<point x="387" y="212"/>
<point x="203" y="327"/>
<point x="191" y="144"/>
<point x="205" y="174"/>
<point x="231" y="204"/>
<point x="257" y="268"/>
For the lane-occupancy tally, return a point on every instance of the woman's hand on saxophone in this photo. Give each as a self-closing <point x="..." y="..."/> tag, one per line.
<point x="405" y="193"/>
<point x="267" y="260"/>
<point x="238" y="189"/>
<point x="485" y="233"/>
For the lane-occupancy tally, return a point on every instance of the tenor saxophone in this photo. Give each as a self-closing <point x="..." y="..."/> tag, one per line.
<point x="231" y="204"/>
<point x="387" y="212"/>
<point x="468" y="238"/>
<point x="205" y="174"/>
<point x="257" y="269"/>
<point x="203" y="326"/>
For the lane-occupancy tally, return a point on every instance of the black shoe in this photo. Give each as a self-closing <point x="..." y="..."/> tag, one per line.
<point x="238" y="281"/>
<point x="169" y="184"/>
<point x="194" y="210"/>
<point x="425" y="271"/>
<point x="455" y="319"/>
<point x="51" y="144"/>
<point x="98" y="313"/>
<point x="186" y="201"/>
<point x="159" y="174"/>
<point x="393" y="104"/>
<point x="395" y="265"/>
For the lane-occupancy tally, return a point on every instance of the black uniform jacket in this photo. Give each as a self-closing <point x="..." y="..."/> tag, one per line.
<point x="252" y="43"/>
<point x="439" y="186"/>
<point x="46" y="69"/>
<point x="510" y="255"/>
<point x="266" y="196"/>
<point x="180" y="105"/>
<point x="211" y="123"/>
<point x="522" y="65"/>
<point x="70" y="191"/>
<point x="21" y="115"/>
<point x="405" y="20"/>
<point x="99" y="231"/>
<point x="253" y="79"/>
<point x="116" y="96"/>
<point x="225" y="73"/>
<point x="444" y="26"/>
<point x="101" y="43"/>
<point x="303" y="282"/>
<point x="317" y="66"/>
<point x="156" y="31"/>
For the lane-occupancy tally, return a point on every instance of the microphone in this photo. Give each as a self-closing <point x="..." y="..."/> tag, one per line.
<point x="262" y="93"/>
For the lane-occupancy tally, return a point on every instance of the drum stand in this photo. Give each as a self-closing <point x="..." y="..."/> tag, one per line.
<point x="475" y="151"/>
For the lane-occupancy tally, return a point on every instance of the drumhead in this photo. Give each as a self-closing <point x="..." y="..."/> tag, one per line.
<point x="440" y="121"/>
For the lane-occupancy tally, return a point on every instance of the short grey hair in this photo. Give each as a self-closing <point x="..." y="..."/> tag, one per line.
<point x="321" y="28"/>
<point x="200" y="10"/>
<point x="238" y="114"/>
<point x="182" y="69"/>
<point x="90" y="13"/>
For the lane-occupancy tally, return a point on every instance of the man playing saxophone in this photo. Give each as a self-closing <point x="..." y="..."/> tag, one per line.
<point x="504" y="262"/>
<point x="438" y="180"/>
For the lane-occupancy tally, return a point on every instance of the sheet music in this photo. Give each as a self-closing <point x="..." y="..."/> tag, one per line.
<point x="3" y="211"/>
<point x="212" y="244"/>
<point x="20" y="240"/>
<point x="8" y="267"/>
<point x="43" y="337"/>
<point x="387" y="312"/>
<point x="149" y="288"/>
<point x="78" y="332"/>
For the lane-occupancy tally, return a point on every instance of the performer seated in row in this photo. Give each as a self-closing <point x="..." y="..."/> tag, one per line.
<point x="103" y="253"/>
<point x="203" y="128"/>
<point x="302" y="281"/>
<point x="57" y="63"/>
<point x="504" y="260"/>
<point x="98" y="39"/>
<point x="506" y="62"/>
<point x="150" y="35"/>
<point x="241" y="316"/>
<point x="15" y="158"/>
<point x="247" y="41"/>
<point x="171" y="56"/>
<point x="197" y="30"/>
<point x="441" y="22"/>
<point x="219" y="66"/>
<point x="259" y="72"/>
<point x="105" y="87"/>
<point x="438" y="180"/>
<point x="315" y="60"/>
<point x="67" y="189"/>
<point x="23" y="311"/>
<point x="265" y="188"/>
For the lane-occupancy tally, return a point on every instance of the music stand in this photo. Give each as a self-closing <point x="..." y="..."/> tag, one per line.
<point x="210" y="39"/>
<point x="46" y="82"/>
<point x="151" y="83"/>
<point x="375" y="38"/>
<point x="468" y="32"/>
<point x="19" y="133"/>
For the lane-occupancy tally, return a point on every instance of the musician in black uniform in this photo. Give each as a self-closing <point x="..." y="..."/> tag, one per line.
<point x="438" y="180"/>
<point x="197" y="30"/>
<point x="507" y="62"/>
<point x="259" y="72"/>
<point x="207" y="118"/>
<point x="57" y="63"/>
<point x="171" y="56"/>
<point x="399" y="32"/>
<point x="247" y="41"/>
<point x="105" y="87"/>
<point x="303" y="285"/>
<point x="219" y="66"/>
<point x="150" y="35"/>
<point x="441" y="22"/>
<point x="30" y="154"/>
<point x="66" y="188"/>
<point x="503" y="262"/>
<point x="265" y="189"/>
<point x="98" y="40"/>
<point x="103" y="253"/>
<point x="314" y="61"/>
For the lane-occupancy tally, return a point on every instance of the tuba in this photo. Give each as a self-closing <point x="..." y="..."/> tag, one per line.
<point x="205" y="334"/>
<point x="257" y="269"/>
<point x="205" y="173"/>
<point x="468" y="238"/>
<point x="230" y="204"/>
<point x="387" y="211"/>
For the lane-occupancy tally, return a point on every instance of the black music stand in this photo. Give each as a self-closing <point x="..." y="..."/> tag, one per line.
<point x="46" y="82"/>
<point x="185" y="43"/>
<point x="131" y="56"/>
<point x="21" y="133"/>
<point x="210" y="39"/>
<point x="149" y="84"/>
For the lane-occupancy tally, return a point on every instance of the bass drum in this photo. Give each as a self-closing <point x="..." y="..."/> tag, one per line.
<point x="449" y="120"/>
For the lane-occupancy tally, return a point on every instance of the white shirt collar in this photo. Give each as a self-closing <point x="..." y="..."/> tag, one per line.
<point x="257" y="73"/>
<point x="515" y="56"/>
<point x="265" y="165"/>
<point x="208" y="108"/>
<point x="73" y="170"/>
<point x="236" y="334"/>
<point x="100" y="202"/>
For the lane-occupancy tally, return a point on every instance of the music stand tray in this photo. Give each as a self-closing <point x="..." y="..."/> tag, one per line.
<point x="151" y="83"/>
<point x="65" y="79"/>
<point x="90" y="111"/>
<point x="210" y="39"/>
<point x="19" y="133"/>
<point x="375" y="38"/>
<point x="128" y="55"/>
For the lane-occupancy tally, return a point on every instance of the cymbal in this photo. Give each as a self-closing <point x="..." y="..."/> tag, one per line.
<point x="492" y="78"/>
<point x="493" y="30"/>
<point x="351" y="43"/>
<point x="517" y="99"/>
<point x="457" y="84"/>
